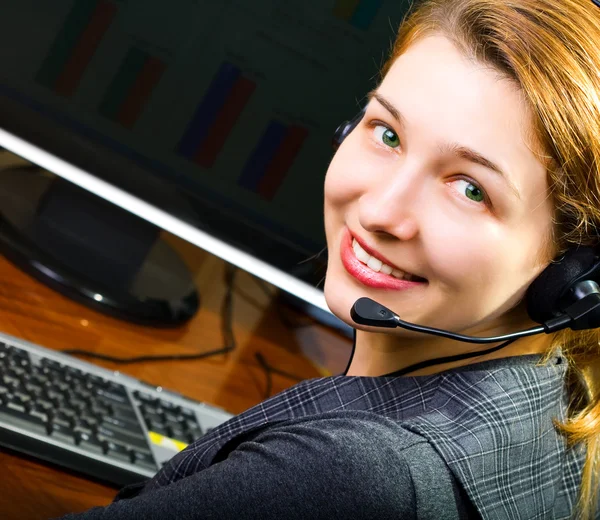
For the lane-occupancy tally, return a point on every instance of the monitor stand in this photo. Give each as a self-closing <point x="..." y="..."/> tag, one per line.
<point x="91" y="250"/>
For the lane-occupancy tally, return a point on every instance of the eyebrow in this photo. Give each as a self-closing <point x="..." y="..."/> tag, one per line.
<point x="458" y="150"/>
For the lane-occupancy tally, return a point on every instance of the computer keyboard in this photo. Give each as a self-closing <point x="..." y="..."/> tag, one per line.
<point x="97" y="422"/>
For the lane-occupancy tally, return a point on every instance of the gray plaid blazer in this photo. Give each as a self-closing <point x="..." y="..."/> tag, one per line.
<point x="491" y="422"/>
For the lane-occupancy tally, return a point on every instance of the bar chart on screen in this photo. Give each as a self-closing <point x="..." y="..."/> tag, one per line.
<point x="231" y="99"/>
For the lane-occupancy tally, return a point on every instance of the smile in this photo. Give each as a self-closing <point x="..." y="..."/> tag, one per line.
<point x="373" y="272"/>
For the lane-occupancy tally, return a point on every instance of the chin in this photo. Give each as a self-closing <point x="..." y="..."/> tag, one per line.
<point x="339" y="300"/>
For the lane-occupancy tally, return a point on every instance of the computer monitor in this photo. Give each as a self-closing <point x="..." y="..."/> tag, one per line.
<point x="211" y="120"/>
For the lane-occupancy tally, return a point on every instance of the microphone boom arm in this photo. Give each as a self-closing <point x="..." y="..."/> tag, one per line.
<point x="368" y="312"/>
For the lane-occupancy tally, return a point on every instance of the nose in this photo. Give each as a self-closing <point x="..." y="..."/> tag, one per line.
<point x="391" y="208"/>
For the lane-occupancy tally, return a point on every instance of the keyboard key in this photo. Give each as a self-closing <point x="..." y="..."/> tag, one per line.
<point x="88" y="441"/>
<point x="55" y="396"/>
<point x="62" y="433"/>
<point x="82" y="428"/>
<point x="109" y="433"/>
<point x="154" y="418"/>
<point x="68" y="412"/>
<point x="99" y="410"/>
<point x="21" y="419"/>
<point x="11" y="382"/>
<point x="82" y="394"/>
<point x="174" y="417"/>
<point x="117" y="388"/>
<point x="45" y="404"/>
<point x="145" y="398"/>
<point x="23" y="397"/>
<point x="169" y="406"/>
<point x="188" y="413"/>
<point x="75" y="374"/>
<point x="117" y="451"/>
<point x="95" y="380"/>
<point x="63" y="420"/>
<point x="179" y="434"/>
<point x="126" y="414"/>
<point x="39" y="380"/>
<point x="160" y="428"/>
<point x="50" y="363"/>
<point x="111" y="397"/>
<point x="123" y="424"/>
<point x="41" y="415"/>
<point x="79" y="405"/>
<point x="17" y="405"/>
<point x="144" y="460"/>
<point x="34" y="389"/>
<point x="16" y="371"/>
<point x="89" y="419"/>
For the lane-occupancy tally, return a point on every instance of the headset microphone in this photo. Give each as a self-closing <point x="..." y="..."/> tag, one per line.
<point x="583" y="313"/>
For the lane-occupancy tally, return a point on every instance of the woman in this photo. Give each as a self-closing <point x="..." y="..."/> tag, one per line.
<point x="471" y="169"/>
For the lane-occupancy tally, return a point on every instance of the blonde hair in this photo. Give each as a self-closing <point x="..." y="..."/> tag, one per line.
<point x="551" y="50"/>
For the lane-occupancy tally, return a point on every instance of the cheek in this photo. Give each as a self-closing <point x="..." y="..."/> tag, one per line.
<point x="338" y="185"/>
<point x="489" y="276"/>
<point x="466" y="257"/>
<point x="348" y="174"/>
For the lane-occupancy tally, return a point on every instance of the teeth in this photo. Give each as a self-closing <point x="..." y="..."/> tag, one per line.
<point x="360" y="253"/>
<point x="386" y="269"/>
<point x="378" y="265"/>
<point x="375" y="264"/>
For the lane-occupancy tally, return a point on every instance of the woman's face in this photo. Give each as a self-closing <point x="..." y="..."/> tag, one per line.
<point x="411" y="186"/>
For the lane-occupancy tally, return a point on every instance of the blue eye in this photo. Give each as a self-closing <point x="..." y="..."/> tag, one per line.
<point x="386" y="136"/>
<point x="472" y="191"/>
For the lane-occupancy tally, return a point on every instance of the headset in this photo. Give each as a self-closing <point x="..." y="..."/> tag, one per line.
<point x="565" y="294"/>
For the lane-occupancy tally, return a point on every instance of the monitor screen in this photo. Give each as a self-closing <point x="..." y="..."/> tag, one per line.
<point x="211" y="119"/>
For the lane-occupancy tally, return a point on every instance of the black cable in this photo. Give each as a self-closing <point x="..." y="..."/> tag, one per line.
<point x="227" y="332"/>
<point x="447" y="359"/>
<point x="228" y="336"/>
<point x="266" y="367"/>
<point x="289" y="323"/>
<point x="351" y="353"/>
<point x="272" y="370"/>
<point x="430" y="362"/>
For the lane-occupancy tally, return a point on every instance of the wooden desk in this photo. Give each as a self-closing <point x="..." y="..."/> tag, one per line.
<point x="29" y="310"/>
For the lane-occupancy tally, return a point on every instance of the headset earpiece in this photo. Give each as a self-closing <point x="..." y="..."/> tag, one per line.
<point x="345" y="128"/>
<point x="562" y="283"/>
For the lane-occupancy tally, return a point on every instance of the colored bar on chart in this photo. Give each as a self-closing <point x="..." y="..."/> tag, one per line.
<point x="282" y="161"/>
<point x="225" y="120"/>
<point x="75" y="45"/>
<point x="360" y="13"/>
<point x="261" y="156"/>
<point x="217" y="114"/>
<point x="272" y="158"/>
<point x="131" y="87"/>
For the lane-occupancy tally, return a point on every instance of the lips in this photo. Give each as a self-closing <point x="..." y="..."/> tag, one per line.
<point x="367" y="276"/>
